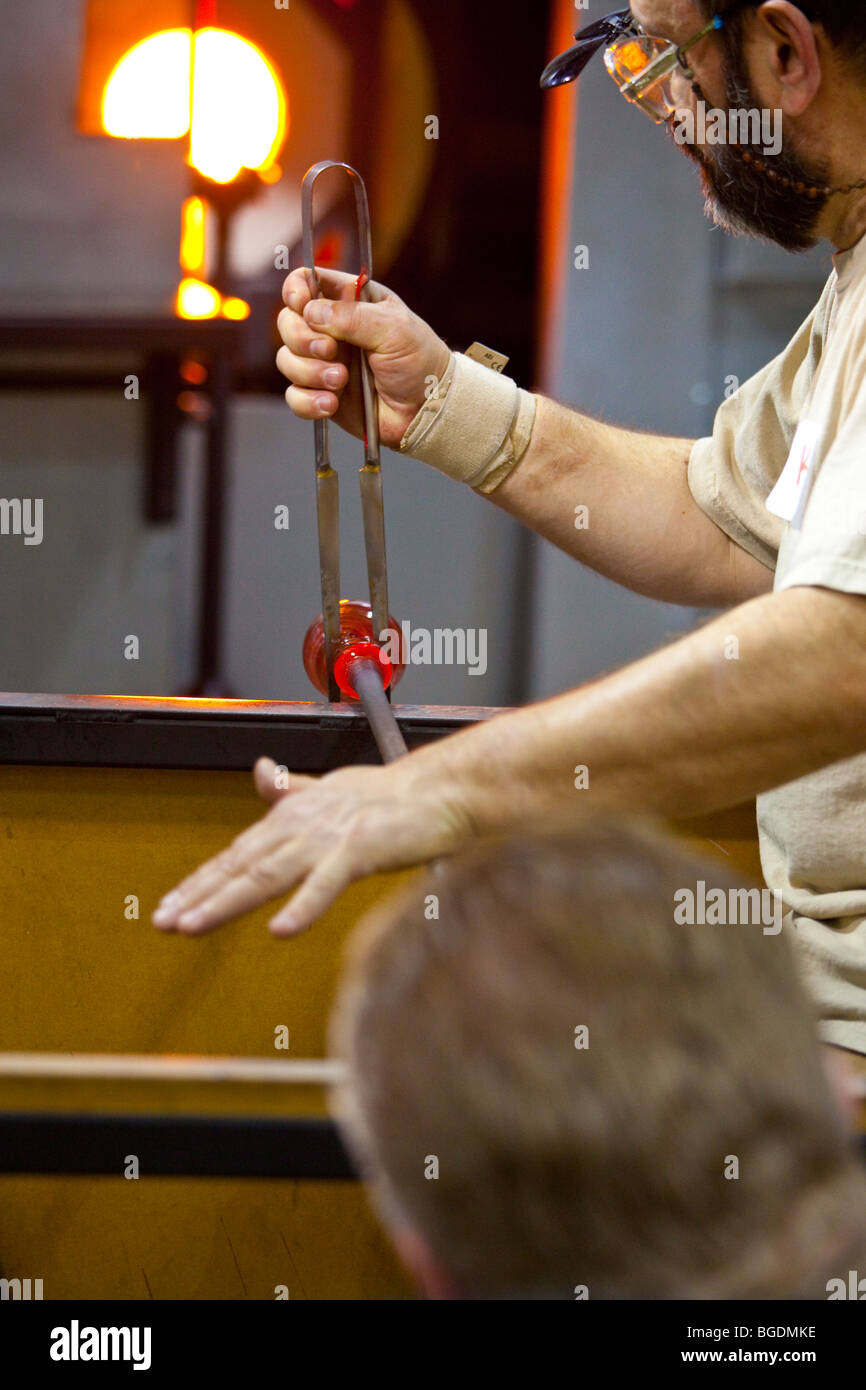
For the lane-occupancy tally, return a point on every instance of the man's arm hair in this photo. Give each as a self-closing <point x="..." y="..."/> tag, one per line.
<point x="739" y="706"/>
<point x="642" y="527"/>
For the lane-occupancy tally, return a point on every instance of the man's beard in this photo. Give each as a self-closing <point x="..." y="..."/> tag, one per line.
<point x="742" y="199"/>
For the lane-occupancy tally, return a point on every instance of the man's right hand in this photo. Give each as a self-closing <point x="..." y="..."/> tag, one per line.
<point x="404" y="353"/>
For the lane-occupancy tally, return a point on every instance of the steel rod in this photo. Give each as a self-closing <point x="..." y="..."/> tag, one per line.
<point x="367" y="681"/>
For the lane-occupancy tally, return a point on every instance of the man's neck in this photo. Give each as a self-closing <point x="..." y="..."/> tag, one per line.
<point x="846" y="219"/>
<point x="837" y="136"/>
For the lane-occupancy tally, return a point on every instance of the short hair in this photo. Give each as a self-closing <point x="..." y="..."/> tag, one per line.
<point x="843" y="21"/>
<point x="531" y="1163"/>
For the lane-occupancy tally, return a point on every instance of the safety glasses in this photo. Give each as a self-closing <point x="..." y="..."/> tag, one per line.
<point x="642" y="67"/>
<point x="571" y="64"/>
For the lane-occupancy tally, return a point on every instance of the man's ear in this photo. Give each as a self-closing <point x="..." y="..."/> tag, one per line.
<point x="415" y="1254"/>
<point x="786" y="51"/>
<point x="844" y="1083"/>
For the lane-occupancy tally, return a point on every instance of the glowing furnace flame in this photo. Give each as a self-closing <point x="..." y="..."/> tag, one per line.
<point x="238" y="104"/>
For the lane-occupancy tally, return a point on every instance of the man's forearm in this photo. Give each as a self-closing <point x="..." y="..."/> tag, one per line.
<point x="619" y="502"/>
<point x="768" y="693"/>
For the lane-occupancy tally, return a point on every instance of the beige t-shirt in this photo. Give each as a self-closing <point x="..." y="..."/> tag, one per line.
<point x="794" y="436"/>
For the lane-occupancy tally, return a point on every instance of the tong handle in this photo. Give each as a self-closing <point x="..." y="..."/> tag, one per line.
<point x="327" y="481"/>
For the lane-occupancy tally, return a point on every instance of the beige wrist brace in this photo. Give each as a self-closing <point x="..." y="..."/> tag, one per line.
<point x="475" y="427"/>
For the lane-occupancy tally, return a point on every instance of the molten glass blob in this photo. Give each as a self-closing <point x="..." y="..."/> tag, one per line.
<point x="356" y="641"/>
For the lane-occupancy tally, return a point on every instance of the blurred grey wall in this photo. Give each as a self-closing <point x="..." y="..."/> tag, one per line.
<point x="666" y="311"/>
<point x="86" y="226"/>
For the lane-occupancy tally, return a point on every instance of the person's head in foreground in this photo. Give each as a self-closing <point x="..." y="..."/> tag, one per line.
<point x="555" y="1090"/>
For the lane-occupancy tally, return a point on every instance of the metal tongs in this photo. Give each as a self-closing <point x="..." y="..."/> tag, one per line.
<point x="327" y="480"/>
<point x="368" y="685"/>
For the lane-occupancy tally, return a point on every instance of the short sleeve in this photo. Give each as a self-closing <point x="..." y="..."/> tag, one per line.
<point x="828" y="549"/>
<point x="733" y="471"/>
